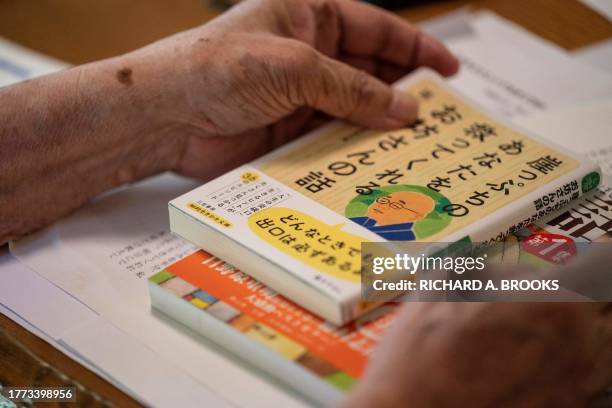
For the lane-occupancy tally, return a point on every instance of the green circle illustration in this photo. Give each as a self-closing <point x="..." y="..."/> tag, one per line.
<point x="400" y="212"/>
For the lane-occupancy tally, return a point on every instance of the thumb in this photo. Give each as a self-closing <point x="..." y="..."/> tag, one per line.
<point x="348" y="93"/>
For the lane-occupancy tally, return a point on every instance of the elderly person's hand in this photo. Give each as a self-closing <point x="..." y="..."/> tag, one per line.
<point x="259" y="72"/>
<point x="202" y="101"/>
<point x="490" y="355"/>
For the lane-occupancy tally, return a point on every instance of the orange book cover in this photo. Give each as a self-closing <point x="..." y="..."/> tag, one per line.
<point x="336" y="354"/>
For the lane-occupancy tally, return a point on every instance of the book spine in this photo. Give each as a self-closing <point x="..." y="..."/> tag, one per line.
<point x="524" y="212"/>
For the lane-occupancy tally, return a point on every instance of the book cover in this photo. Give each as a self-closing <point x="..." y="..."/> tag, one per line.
<point x="296" y="218"/>
<point x="318" y="359"/>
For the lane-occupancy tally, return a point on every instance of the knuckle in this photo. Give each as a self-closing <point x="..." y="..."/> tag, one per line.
<point x="303" y="63"/>
<point x="305" y="57"/>
<point x="361" y="92"/>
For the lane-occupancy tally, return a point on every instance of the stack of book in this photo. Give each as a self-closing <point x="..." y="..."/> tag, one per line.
<point x="290" y="226"/>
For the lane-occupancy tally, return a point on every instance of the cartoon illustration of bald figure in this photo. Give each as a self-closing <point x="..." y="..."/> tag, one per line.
<point x="392" y="216"/>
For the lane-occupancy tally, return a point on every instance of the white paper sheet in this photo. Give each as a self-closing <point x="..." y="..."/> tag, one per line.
<point x="38" y="301"/>
<point x="156" y="381"/>
<point x="512" y="72"/>
<point x="603" y="7"/>
<point x="18" y="63"/>
<point x="598" y="55"/>
<point x="585" y="129"/>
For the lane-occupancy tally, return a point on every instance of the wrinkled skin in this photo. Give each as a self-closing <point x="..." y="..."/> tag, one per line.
<point x="490" y="355"/>
<point x="259" y="72"/>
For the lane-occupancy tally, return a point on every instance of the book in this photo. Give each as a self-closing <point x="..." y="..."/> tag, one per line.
<point x="565" y="235"/>
<point x="295" y="218"/>
<point x="317" y="359"/>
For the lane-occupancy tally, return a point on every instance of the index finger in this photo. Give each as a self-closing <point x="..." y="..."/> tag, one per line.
<point x="369" y="31"/>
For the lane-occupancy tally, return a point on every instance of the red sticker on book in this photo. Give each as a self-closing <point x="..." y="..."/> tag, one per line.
<point x="554" y="248"/>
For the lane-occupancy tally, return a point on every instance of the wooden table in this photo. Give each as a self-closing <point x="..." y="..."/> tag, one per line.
<point x="79" y="31"/>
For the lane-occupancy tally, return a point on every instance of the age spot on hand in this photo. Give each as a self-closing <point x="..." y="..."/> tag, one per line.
<point x="124" y="76"/>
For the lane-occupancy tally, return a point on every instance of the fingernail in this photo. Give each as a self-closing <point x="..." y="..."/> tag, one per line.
<point x="404" y="107"/>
